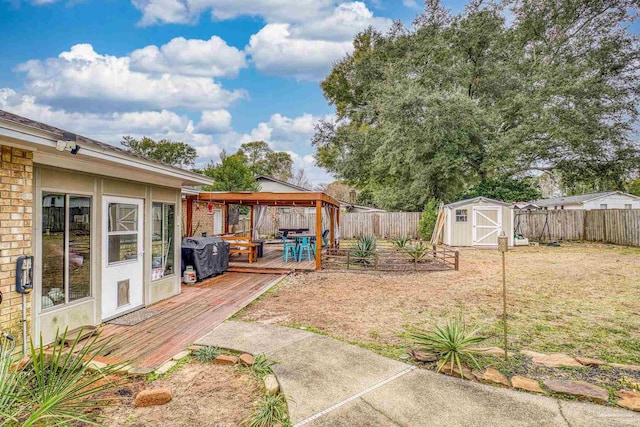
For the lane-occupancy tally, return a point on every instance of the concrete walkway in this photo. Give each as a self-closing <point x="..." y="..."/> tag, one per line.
<point x="331" y="383"/>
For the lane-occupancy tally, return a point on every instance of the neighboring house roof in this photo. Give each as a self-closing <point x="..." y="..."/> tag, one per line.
<point x="351" y="206"/>
<point x="476" y="200"/>
<point x="525" y="205"/>
<point x="112" y="151"/>
<point x="580" y="199"/>
<point x="288" y="184"/>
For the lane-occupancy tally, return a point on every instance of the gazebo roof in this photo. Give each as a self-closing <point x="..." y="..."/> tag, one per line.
<point x="298" y="199"/>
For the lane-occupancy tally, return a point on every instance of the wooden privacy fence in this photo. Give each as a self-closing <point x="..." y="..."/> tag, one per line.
<point x="617" y="226"/>
<point x="383" y="225"/>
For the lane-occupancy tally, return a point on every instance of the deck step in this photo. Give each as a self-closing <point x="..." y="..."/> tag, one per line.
<point x="84" y="332"/>
<point x="259" y="270"/>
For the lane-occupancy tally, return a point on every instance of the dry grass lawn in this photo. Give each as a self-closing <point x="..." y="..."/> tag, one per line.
<point x="582" y="299"/>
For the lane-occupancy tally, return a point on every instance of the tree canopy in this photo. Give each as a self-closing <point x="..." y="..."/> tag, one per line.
<point x="172" y="153"/>
<point x="262" y="160"/>
<point x="231" y="174"/>
<point x="465" y="100"/>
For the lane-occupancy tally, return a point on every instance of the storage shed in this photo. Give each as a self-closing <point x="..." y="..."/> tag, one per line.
<point x="477" y="222"/>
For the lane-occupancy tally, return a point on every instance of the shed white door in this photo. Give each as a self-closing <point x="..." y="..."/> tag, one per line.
<point x="123" y="255"/>
<point x="487" y="224"/>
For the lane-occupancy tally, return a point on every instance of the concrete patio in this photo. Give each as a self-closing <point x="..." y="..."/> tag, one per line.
<point x="331" y="383"/>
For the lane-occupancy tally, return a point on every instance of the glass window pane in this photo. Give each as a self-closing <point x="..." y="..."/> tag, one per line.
<point x="163" y="227"/>
<point x="123" y="217"/>
<point x="169" y="228"/>
<point x="79" y="223"/>
<point x="123" y="247"/>
<point x="53" y="250"/>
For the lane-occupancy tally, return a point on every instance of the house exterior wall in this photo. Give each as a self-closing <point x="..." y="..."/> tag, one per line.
<point x="461" y="233"/>
<point x="202" y="220"/>
<point x="87" y="311"/>
<point x="16" y="220"/>
<point x="268" y="186"/>
<point x="614" y="201"/>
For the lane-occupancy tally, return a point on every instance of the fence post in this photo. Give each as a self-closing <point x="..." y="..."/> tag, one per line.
<point x="457" y="261"/>
<point x="348" y="252"/>
<point x="375" y="261"/>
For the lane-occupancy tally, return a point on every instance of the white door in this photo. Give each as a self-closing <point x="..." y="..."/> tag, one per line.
<point x="487" y="225"/>
<point x="217" y="221"/>
<point x="122" y="256"/>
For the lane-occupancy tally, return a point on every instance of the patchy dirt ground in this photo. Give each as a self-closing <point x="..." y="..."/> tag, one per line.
<point x="203" y="395"/>
<point x="581" y="299"/>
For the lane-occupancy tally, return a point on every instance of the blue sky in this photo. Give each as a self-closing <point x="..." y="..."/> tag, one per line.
<point x="213" y="73"/>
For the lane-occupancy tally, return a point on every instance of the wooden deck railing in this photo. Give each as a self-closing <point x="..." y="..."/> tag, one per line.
<point x="435" y="258"/>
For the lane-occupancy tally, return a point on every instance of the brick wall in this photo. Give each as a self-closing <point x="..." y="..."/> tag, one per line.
<point x="201" y="216"/>
<point x="16" y="213"/>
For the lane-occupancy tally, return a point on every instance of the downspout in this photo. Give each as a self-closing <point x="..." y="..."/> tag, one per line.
<point x="24" y="325"/>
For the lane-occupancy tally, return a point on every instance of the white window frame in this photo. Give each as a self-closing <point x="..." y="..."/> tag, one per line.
<point x="66" y="194"/>
<point x="163" y="204"/>
<point x="459" y="216"/>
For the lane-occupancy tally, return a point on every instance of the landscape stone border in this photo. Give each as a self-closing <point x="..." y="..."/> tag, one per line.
<point x="583" y="390"/>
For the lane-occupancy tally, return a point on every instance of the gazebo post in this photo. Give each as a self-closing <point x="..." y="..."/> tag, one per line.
<point x="338" y="219"/>
<point x="251" y="223"/>
<point x="318" y="234"/>
<point x="332" y="228"/>
<point x="226" y="218"/>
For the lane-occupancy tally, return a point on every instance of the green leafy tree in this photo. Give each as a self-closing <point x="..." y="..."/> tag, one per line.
<point x="172" y="153"/>
<point x="428" y="219"/>
<point x="467" y="99"/>
<point x="633" y="187"/>
<point x="262" y="160"/>
<point x="231" y="174"/>
<point x="507" y="190"/>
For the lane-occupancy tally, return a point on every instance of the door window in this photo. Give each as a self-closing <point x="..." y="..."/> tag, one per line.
<point x="123" y="232"/>
<point x="163" y="241"/>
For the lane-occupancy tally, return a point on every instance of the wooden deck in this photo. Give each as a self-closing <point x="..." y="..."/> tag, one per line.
<point x="271" y="262"/>
<point x="184" y="319"/>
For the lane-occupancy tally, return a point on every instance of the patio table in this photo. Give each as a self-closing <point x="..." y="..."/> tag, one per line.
<point x="299" y="236"/>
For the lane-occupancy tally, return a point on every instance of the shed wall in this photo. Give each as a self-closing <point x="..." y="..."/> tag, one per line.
<point x="461" y="233"/>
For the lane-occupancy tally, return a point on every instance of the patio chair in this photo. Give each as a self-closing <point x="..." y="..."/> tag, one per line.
<point x="289" y="247"/>
<point x="304" y="244"/>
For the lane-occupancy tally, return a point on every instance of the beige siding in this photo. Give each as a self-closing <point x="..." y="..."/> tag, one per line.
<point x="88" y="311"/>
<point x="461" y="233"/>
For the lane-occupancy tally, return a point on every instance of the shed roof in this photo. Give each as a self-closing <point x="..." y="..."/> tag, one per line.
<point x="579" y="199"/>
<point x="476" y="200"/>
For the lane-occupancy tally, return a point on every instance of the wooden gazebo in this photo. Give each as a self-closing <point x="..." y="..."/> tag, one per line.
<point x="291" y="199"/>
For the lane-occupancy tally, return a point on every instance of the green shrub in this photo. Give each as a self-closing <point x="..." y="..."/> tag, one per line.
<point x="261" y="366"/>
<point x="365" y="246"/>
<point x="57" y="387"/>
<point x="206" y="354"/>
<point x="400" y="242"/>
<point x="453" y="343"/>
<point x="417" y="252"/>
<point x="428" y="219"/>
<point x="270" y="411"/>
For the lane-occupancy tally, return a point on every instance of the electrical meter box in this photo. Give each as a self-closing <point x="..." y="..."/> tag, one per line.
<point x="24" y="274"/>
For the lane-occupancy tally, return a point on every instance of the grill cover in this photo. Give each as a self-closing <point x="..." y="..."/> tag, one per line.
<point x="209" y="256"/>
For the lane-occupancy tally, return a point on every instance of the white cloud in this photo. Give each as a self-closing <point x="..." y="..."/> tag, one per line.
<point x="215" y="121"/>
<point x="188" y="11"/>
<point x="274" y="51"/>
<point x="193" y="57"/>
<point x="83" y="76"/>
<point x="307" y="51"/>
<point x="413" y="4"/>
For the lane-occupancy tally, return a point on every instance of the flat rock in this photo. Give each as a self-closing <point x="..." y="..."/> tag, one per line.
<point x="181" y="355"/>
<point x="224" y="359"/>
<point x="492" y="376"/>
<point x="153" y="397"/>
<point x="455" y="371"/>
<point x="422" y="356"/>
<point x="247" y="359"/>
<point x="626" y="367"/>
<point x="166" y="367"/>
<point x="629" y="400"/>
<point x="579" y="389"/>
<point x="271" y="384"/>
<point x="526" y="384"/>
<point x="589" y="361"/>
<point x="94" y="365"/>
<point x="140" y="371"/>
<point x="493" y="351"/>
<point x="553" y="360"/>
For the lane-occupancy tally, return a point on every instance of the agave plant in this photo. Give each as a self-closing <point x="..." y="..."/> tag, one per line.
<point x="364" y="249"/>
<point x="417" y="252"/>
<point x="57" y="387"/>
<point x="400" y="242"/>
<point x="206" y="354"/>
<point x="453" y="343"/>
